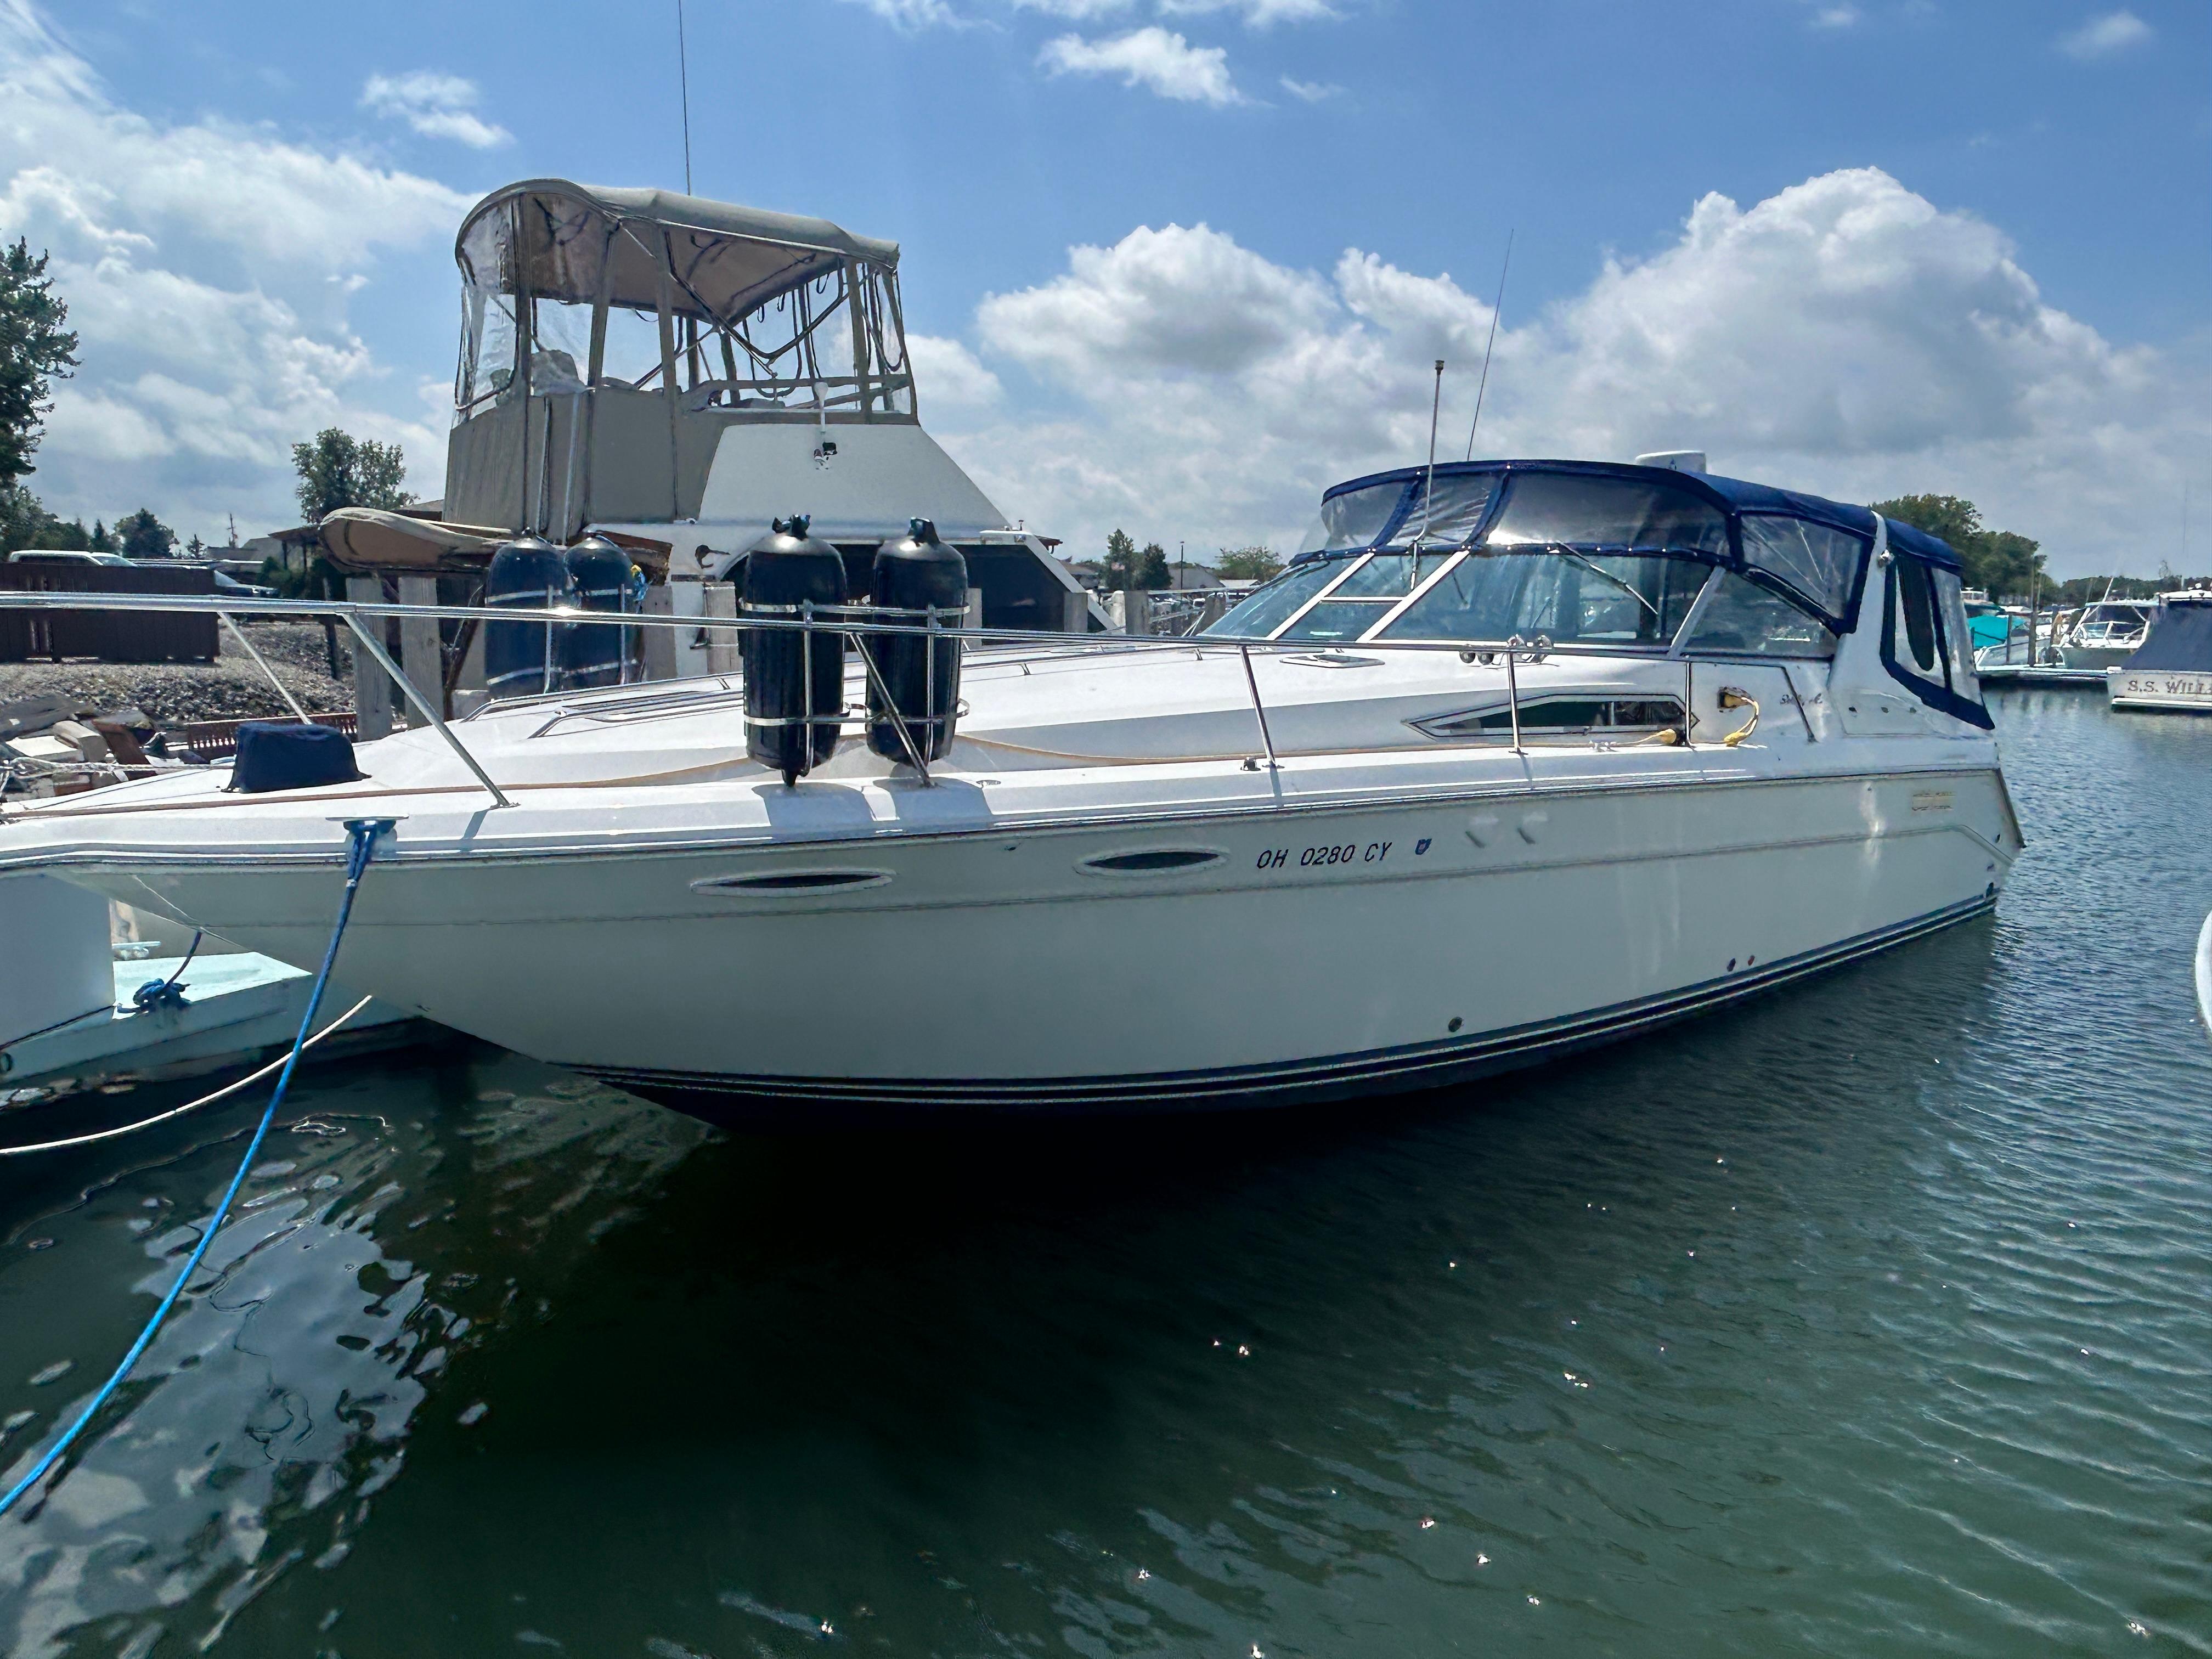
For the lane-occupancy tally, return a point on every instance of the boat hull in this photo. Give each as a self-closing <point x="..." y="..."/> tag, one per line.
<point x="2183" y="690"/>
<point x="1247" y="957"/>
<point x="2099" y="657"/>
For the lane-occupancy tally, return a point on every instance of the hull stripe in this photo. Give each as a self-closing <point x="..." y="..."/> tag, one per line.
<point x="718" y="1096"/>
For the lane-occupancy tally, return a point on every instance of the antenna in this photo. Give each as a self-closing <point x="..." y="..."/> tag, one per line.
<point x="1429" y="486"/>
<point x="1483" y="386"/>
<point x="683" y="85"/>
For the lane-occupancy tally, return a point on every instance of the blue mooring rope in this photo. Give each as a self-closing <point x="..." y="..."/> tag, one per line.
<point x="364" y="832"/>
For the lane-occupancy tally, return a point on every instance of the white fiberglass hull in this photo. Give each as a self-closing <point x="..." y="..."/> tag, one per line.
<point x="1318" y="952"/>
<point x="1104" y="900"/>
<point x="2183" y="690"/>
<point x="2098" y="656"/>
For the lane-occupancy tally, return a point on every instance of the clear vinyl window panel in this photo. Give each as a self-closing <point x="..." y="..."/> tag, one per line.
<point x="1743" y="617"/>
<point x="1461" y="502"/>
<point x="1569" y="508"/>
<point x="1633" y="601"/>
<point x="1354" y="518"/>
<point x="1819" y="562"/>
<point x="1915" y="602"/>
<point x="1957" y="652"/>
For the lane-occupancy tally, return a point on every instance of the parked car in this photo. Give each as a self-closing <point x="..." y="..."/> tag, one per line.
<point x="63" y="555"/>
<point x="226" y="583"/>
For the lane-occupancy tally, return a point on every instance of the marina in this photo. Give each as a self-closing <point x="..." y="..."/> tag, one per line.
<point x="1113" y="919"/>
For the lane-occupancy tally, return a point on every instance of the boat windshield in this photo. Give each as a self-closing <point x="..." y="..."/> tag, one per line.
<point x="2118" y="618"/>
<point x="1575" y="554"/>
<point x="1634" y="601"/>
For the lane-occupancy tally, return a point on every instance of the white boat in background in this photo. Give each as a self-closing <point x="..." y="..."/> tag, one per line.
<point x="2204" y="974"/>
<point x="2106" y="634"/>
<point x="672" y="373"/>
<point x="2172" y="670"/>
<point x="1516" y="757"/>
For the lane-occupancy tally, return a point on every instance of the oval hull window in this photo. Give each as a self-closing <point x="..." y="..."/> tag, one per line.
<point x="1150" y="861"/>
<point x="793" y="884"/>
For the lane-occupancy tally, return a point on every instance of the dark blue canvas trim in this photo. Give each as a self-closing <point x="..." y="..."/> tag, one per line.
<point x="1928" y="550"/>
<point x="1936" y="694"/>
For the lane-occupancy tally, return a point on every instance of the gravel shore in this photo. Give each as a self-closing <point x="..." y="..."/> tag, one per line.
<point x="229" y="688"/>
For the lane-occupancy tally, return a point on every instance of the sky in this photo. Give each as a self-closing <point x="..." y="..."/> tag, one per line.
<point x="1177" y="265"/>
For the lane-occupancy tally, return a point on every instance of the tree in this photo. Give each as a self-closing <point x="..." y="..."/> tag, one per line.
<point x="2087" y="590"/>
<point x="340" y="470"/>
<point x="1256" y="563"/>
<point x="1121" y="563"/>
<point x="196" y="548"/>
<point x="35" y="351"/>
<point x="145" y="537"/>
<point x="99" y="541"/>
<point x="1152" y="571"/>
<point x="2002" y="563"/>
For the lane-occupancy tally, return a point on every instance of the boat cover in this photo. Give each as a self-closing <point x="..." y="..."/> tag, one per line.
<point x="727" y="260"/>
<point x="360" y="540"/>
<point x="2181" y="638"/>
<point x="1815" y="547"/>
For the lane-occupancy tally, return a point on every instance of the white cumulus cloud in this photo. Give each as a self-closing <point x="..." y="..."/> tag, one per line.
<point x="1845" y="336"/>
<point x="912" y="14"/>
<point x="2103" y="37"/>
<point x="946" y="372"/>
<point x="1256" y="14"/>
<point x="436" y="106"/>
<point x="1150" y="56"/>
<point x="207" y="268"/>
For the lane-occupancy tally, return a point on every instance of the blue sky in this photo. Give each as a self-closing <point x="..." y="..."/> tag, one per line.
<point x="1859" y="247"/>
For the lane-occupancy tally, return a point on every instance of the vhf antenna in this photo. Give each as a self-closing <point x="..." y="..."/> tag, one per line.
<point x="1484" y="383"/>
<point x="683" y="84"/>
<point x="1428" y="487"/>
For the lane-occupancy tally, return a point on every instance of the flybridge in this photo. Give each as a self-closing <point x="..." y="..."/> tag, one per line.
<point x="609" y="336"/>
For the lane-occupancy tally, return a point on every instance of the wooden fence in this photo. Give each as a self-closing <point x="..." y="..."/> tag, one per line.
<point x="109" y="636"/>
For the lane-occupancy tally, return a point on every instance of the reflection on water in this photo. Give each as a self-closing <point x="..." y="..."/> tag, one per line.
<point x="1866" y="1319"/>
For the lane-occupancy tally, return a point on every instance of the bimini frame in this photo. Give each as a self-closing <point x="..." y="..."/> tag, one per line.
<point x="761" y="316"/>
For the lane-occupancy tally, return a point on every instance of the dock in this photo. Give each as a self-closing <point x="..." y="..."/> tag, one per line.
<point x="2020" y="673"/>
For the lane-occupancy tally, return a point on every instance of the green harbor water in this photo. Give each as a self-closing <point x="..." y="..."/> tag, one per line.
<point x="1874" y="1317"/>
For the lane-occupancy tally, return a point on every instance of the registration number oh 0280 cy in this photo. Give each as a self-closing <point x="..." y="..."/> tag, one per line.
<point x="1323" y="857"/>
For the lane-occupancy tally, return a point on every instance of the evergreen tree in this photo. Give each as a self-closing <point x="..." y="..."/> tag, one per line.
<point x="1121" y="563"/>
<point x="1152" y="571"/>
<point x="143" y="536"/>
<point x="100" y="541"/>
<point x="196" y="548"/>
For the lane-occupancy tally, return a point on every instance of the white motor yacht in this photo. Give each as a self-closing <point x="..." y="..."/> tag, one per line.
<point x="2106" y="634"/>
<point x="2172" y="670"/>
<point x="1514" y="758"/>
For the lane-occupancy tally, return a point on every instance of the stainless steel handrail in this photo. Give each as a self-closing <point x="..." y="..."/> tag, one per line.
<point x="357" y="614"/>
<point x="314" y="609"/>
